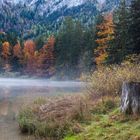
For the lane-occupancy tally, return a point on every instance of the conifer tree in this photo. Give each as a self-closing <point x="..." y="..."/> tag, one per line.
<point x="134" y="27"/>
<point x="118" y="49"/>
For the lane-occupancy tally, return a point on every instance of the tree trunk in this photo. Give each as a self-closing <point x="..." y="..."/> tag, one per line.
<point x="130" y="99"/>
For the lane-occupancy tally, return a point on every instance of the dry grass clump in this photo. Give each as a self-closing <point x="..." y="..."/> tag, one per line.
<point x="67" y="108"/>
<point x="55" y="118"/>
<point x="107" y="80"/>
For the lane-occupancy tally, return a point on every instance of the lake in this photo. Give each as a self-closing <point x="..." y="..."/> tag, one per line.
<point x="16" y="93"/>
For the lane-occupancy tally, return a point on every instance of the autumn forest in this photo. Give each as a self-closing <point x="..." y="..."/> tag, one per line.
<point x="74" y="48"/>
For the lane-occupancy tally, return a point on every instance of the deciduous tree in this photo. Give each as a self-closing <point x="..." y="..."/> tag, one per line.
<point x="47" y="57"/>
<point x="17" y="51"/>
<point x="6" y="50"/>
<point x="6" y="53"/>
<point x="29" y="57"/>
<point x="105" y="35"/>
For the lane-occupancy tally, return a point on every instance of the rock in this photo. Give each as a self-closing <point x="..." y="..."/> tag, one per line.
<point x="130" y="99"/>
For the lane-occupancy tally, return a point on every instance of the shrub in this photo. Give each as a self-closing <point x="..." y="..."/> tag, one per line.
<point x="106" y="106"/>
<point x="27" y="121"/>
<point x="54" y="118"/>
<point x="107" y="80"/>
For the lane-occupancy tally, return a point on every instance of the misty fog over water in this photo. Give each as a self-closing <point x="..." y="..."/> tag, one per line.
<point x="12" y="82"/>
<point x="12" y="87"/>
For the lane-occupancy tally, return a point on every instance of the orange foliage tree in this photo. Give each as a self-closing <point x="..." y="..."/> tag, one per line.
<point x="46" y="57"/>
<point x="39" y="62"/>
<point x="29" y="61"/>
<point x="105" y="35"/>
<point x="6" y="52"/>
<point x="34" y="62"/>
<point x="29" y="48"/>
<point x="17" y="57"/>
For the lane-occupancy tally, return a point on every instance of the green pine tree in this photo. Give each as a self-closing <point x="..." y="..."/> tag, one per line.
<point x="118" y="48"/>
<point x="134" y="27"/>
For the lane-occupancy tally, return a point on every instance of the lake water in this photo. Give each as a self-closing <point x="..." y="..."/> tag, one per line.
<point x="15" y="93"/>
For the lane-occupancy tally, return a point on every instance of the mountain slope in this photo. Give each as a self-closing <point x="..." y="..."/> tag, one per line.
<point x="22" y="15"/>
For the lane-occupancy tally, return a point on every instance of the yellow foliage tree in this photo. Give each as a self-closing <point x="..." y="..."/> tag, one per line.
<point x="105" y="35"/>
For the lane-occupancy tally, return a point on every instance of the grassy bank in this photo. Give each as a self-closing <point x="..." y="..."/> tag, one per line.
<point x="110" y="126"/>
<point x="99" y="121"/>
<point x="95" y="116"/>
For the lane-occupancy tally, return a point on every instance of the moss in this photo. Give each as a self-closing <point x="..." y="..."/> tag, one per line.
<point x="110" y="127"/>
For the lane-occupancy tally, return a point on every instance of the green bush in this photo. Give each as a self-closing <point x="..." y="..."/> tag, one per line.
<point x="27" y="121"/>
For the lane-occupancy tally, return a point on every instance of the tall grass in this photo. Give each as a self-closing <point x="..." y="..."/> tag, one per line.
<point x="107" y="80"/>
<point x="54" y="118"/>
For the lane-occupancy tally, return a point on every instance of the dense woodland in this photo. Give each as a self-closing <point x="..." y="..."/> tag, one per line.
<point x="74" y="48"/>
